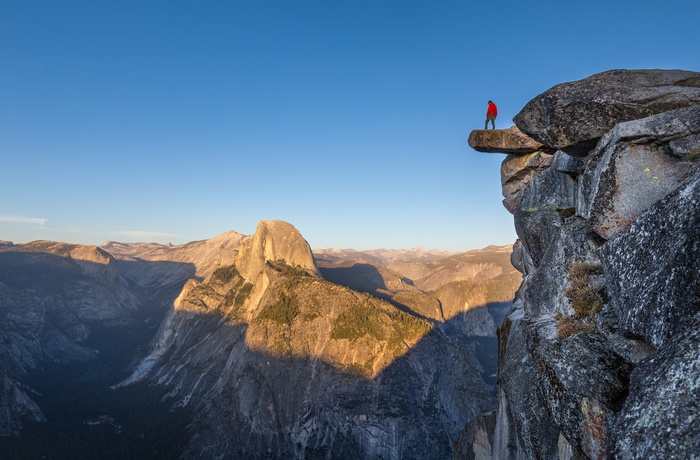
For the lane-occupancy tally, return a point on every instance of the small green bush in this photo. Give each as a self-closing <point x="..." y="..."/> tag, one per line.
<point x="236" y="296"/>
<point x="283" y="311"/>
<point x="225" y="274"/>
<point x="281" y="266"/>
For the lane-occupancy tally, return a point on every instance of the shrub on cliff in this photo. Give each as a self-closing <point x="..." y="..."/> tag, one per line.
<point x="568" y="326"/>
<point x="226" y="273"/>
<point x="583" y="294"/>
<point x="283" y="310"/>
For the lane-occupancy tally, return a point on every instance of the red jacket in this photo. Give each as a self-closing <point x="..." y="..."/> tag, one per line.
<point x="492" y="110"/>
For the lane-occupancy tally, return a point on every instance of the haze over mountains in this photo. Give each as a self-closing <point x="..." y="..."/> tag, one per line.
<point x="247" y="346"/>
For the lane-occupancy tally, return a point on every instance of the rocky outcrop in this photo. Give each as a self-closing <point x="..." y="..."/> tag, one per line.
<point x="516" y="173"/>
<point x="599" y="354"/>
<point x="274" y="240"/>
<point x="636" y="164"/>
<point x="510" y="140"/>
<point x="573" y="116"/>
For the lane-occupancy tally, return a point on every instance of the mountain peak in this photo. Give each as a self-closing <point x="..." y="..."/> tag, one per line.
<point x="274" y="240"/>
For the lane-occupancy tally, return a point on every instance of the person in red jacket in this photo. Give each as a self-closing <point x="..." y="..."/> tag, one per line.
<point x="491" y="114"/>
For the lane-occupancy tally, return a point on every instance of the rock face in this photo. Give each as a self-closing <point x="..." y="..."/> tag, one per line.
<point x="274" y="240"/>
<point x="516" y="173"/>
<point x="636" y="164"/>
<point x="573" y="116"/>
<point x="510" y="140"/>
<point x="62" y="304"/>
<point x="51" y="296"/>
<point x="276" y="362"/>
<point x="652" y="269"/>
<point x="599" y="354"/>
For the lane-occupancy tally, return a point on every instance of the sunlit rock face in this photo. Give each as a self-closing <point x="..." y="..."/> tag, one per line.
<point x="276" y="362"/>
<point x="573" y="116"/>
<point x="599" y="355"/>
<point x="274" y="240"/>
<point x="636" y="164"/>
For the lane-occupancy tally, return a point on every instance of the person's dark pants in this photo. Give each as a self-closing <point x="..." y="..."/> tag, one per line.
<point x="492" y="118"/>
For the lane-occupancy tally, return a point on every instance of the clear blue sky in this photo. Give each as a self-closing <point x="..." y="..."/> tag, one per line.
<point x="174" y="121"/>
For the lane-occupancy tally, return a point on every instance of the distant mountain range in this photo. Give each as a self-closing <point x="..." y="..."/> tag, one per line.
<point x="245" y="347"/>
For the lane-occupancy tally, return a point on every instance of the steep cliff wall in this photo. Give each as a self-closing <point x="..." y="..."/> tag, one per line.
<point x="276" y="362"/>
<point x="600" y="354"/>
<point x="52" y="295"/>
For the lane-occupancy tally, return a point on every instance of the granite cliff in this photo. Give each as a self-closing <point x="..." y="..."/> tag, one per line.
<point x="276" y="362"/>
<point x="599" y="356"/>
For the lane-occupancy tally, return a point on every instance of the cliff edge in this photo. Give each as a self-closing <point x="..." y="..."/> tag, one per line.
<point x="600" y="355"/>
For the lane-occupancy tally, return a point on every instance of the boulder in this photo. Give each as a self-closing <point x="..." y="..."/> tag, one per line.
<point x="516" y="172"/>
<point x="510" y="140"/>
<point x="651" y="268"/>
<point x="550" y="190"/>
<point x="573" y="116"/>
<point x="636" y="164"/>
<point x="569" y="164"/>
<point x="518" y="168"/>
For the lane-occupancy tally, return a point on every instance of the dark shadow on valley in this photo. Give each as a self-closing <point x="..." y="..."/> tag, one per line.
<point x="462" y="385"/>
<point x="84" y="418"/>
<point x="87" y="419"/>
<point x="362" y="277"/>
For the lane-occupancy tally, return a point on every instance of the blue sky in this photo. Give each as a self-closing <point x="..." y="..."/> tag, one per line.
<point x="174" y="121"/>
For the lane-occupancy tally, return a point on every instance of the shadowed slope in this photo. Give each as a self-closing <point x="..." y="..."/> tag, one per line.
<point x="318" y="369"/>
